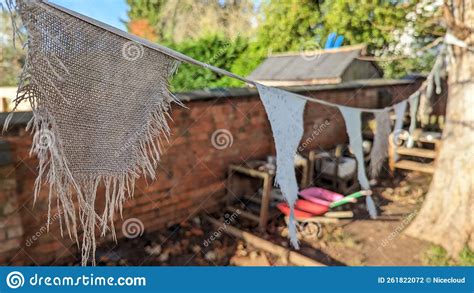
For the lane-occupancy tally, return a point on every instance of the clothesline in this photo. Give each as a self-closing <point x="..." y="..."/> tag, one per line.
<point x="184" y="58"/>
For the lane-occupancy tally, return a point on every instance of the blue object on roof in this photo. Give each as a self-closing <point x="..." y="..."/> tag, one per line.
<point x="338" y="42"/>
<point x="330" y="41"/>
<point x="334" y="41"/>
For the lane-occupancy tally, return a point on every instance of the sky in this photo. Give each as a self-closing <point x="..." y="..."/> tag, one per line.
<point x="112" y="12"/>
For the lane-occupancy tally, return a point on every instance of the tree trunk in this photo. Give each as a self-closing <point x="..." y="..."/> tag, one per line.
<point x="447" y="215"/>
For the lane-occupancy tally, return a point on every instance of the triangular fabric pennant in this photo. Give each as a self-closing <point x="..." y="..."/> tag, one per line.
<point x="400" y="109"/>
<point x="380" y="148"/>
<point x="352" y="118"/>
<point x="285" y="111"/>
<point x="100" y="106"/>
<point x="413" y="101"/>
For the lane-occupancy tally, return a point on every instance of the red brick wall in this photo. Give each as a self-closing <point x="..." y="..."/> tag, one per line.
<point x="11" y="226"/>
<point x="191" y="175"/>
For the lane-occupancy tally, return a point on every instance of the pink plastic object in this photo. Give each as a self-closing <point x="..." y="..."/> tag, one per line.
<point x="320" y="195"/>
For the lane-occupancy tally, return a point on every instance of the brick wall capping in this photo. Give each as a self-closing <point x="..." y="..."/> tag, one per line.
<point x="22" y="118"/>
<point x="206" y="94"/>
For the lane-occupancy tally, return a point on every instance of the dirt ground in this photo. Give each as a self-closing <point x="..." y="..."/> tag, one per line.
<point x="358" y="242"/>
<point x="382" y="242"/>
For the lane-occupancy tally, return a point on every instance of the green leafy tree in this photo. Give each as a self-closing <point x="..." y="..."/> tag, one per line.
<point x="146" y="9"/>
<point x="216" y="50"/>
<point x="12" y="57"/>
<point x="289" y="25"/>
<point x="283" y="26"/>
<point x="388" y="27"/>
<point x="184" y="20"/>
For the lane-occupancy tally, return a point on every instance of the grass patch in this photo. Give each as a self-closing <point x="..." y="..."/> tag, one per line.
<point x="438" y="256"/>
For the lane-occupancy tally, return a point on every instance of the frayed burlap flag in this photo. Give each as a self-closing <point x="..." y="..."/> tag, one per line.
<point x="100" y="104"/>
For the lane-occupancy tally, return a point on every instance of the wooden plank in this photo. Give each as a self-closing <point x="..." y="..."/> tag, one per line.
<point x="340" y="214"/>
<point x="265" y="206"/>
<point x="416" y="152"/>
<point x="248" y="171"/>
<point x="254" y="199"/>
<point x="313" y="156"/>
<point x="322" y="220"/>
<point x="260" y="243"/>
<point x="425" y="140"/>
<point x="414" y="166"/>
<point x="391" y="157"/>
<point x="244" y="214"/>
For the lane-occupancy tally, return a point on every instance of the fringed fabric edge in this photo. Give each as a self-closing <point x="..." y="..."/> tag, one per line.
<point x="413" y="101"/>
<point x="352" y="119"/>
<point x="380" y="149"/>
<point x="54" y="172"/>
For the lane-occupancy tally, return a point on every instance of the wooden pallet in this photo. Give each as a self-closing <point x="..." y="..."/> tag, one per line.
<point x="408" y="156"/>
<point x="417" y="152"/>
<point x="414" y="166"/>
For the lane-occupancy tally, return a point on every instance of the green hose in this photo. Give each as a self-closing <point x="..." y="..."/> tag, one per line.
<point x="347" y="199"/>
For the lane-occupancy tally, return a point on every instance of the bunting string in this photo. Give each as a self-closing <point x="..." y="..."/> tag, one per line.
<point x="184" y="58"/>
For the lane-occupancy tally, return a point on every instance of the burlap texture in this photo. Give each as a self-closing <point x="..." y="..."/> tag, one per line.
<point x="100" y="104"/>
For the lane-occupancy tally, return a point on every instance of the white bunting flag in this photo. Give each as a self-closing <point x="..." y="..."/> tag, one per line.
<point x="353" y="129"/>
<point x="285" y="112"/>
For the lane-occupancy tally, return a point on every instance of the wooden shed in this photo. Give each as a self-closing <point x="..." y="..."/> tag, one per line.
<point x="331" y="66"/>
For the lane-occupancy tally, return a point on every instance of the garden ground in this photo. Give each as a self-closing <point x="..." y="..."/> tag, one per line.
<point x="360" y="242"/>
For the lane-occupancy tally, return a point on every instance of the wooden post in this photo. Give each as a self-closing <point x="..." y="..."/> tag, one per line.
<point x="265" y="206"/>
<point x="305" y="174"/>
<point x="312" y="165"/>
<point x="229" y="186"/>
<point x="391" y="155"/>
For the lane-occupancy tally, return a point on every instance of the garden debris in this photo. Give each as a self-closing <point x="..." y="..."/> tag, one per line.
<point x="154" y="249"/>
<point x="355" y="243"/>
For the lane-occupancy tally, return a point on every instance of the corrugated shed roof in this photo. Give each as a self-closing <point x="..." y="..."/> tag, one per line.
<point x="324" y="64"/>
